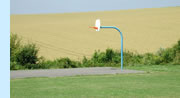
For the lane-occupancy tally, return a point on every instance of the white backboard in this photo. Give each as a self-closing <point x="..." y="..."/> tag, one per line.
<point x="98" y="24"/>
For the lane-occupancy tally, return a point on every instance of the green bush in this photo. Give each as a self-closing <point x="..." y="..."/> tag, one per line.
<point x="22" y="56"/>
<point x="177" y="58"/>
<point x="131" y="58"/>
<point x="27" y="55"/>
<point x="112" y="58"/>
<point x="15" y="44"/>
<point x="66" y="63"/>
<point x="59" y="63"/>
<point x="16" y="66"/>
<point x="148" y="59"/>
<point x="45" y="64"/>
<point x="177" y="53"/>
<point x="109" y="55"/>
<point x="170" y="55"/>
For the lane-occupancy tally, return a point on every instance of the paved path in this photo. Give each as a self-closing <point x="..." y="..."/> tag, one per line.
<point x="69" y="72"/>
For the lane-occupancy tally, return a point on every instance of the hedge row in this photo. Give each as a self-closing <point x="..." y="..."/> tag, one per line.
<point x="26" y="57"/>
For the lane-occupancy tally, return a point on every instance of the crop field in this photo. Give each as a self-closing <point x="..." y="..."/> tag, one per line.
<point x="69" y="35"/>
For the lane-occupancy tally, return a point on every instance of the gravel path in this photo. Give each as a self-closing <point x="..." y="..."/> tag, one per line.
<point x="69" y="72"/>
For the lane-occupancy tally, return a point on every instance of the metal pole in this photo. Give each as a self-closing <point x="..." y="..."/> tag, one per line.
<point x="113" y="27"/>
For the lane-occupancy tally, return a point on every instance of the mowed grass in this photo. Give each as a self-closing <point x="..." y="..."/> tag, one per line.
<point x="158" y="82"/>
<point x="69" y="35"/>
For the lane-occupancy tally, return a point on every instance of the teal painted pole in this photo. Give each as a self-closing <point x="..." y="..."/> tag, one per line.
<point x="113" y="27"/>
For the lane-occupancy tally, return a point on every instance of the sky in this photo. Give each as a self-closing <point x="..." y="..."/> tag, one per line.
<point x="69" y="6"/>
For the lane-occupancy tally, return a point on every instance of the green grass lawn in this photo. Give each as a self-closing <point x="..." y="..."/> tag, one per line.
<point x="158" y="82"/>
